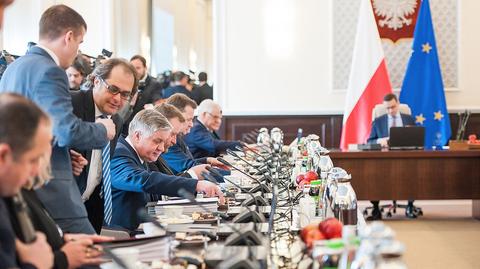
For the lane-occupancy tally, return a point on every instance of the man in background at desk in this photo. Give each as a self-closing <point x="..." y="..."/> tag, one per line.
<point x="203" y="139"/>
<point x="133" y="182"/>
<point x="380" y="134"/>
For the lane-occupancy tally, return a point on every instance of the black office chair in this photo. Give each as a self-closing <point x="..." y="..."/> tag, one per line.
<point x="378" y="111"/>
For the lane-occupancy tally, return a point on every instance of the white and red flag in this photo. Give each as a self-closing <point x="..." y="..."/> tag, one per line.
<point x="368" y="81"/>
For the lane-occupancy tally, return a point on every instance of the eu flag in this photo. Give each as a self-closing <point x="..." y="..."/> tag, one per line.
<point x="422" y="87"/>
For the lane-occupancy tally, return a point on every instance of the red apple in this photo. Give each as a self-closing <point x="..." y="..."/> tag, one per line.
<point x="472" y="137"/>
<point x="300" y="178"/>
<point x="310" y="176"/>
<point x="311" y="233"/>
<point x="331" y="228"/>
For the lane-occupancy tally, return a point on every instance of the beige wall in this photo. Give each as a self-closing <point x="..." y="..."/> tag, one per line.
<point x="253" y="80"/>
<point x="252" y="75"/>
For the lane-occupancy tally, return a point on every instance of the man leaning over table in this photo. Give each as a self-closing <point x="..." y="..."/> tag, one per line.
<point x="133" y="182"/>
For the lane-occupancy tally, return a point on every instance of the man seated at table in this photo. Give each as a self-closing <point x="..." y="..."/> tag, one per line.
<point x="380" y="133"/>
<point x="203" y="140"/>
<point x="132" y="181"/>
<point x="179" y="157"/>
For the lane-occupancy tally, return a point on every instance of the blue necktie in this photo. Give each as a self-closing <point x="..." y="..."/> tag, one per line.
<point x="107" y="185"/>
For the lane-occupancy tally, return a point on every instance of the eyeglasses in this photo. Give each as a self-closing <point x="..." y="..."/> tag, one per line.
<point x="215" y="116"/>
<point x="114" y="90"/>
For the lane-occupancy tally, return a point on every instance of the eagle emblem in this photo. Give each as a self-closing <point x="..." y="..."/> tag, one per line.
<point x="394" y="14"/>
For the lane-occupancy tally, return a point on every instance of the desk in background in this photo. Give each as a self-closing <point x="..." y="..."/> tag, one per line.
<point x="418" y="175"/>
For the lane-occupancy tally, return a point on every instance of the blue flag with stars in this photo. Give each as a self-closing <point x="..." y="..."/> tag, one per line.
<point x="422" y="87"/>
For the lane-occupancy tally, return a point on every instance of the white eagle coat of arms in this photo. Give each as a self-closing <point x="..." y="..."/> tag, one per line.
<point x="394" y="12"/>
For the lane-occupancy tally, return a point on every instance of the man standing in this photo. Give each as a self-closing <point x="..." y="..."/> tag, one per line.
<point x="133" y="182"/>
<point x="203" y="140"/>
<point x="380" y="134"/>
<point x="179" y="85"/>
<point x="203" y="90"/>
<point x="40" y="76"/>
<point x="77" y="73"/>
<point x="25" y="136"/>
<point x="110" y="87"/>
<point x="149" y="89"/>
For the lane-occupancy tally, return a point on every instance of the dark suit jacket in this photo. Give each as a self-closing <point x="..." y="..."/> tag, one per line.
<point x="84" y="108"/>
<point x="42" y="222"/>
<point x="203" y="143"/>
<point x="380" y="126"/>
<point x="179" y="157"/>
<point x="176" y="89"/>
<point x="37" y="77"/>
<point x="148" y="93"/>
<point x="8" y="257"/>
<point x="132" y="182"/>
<point x="203" y="92"/>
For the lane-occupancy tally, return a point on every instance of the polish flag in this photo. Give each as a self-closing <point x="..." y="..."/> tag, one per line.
<point x="368" y="81"/>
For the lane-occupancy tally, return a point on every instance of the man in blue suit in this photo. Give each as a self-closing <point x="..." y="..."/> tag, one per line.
<point x="203" y="141"/>
<point x="40" y="76"/>
<point x="180" y="82"/>
<point x="133" y="182"/>
<point x="179" y="157"/>
<point x="380" y="131"/>
<point x="380" y="134"/>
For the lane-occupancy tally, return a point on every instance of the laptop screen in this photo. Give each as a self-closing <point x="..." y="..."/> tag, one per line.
<point x="407" y="137"/>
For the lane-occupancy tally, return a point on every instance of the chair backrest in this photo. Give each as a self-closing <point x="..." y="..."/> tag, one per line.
<point x="380" y="110"/>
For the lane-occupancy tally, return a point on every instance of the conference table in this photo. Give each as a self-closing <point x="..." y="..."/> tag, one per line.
<point x="413" y="174"/>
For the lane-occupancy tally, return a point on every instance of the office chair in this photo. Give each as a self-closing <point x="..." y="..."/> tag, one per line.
<point x="380" y="110"/>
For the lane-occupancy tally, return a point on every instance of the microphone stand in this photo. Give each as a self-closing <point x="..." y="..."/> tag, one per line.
<point x="240" y="170"/>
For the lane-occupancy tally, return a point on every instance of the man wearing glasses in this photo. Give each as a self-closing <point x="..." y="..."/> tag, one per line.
<point x="203" y="141"/>
<point x="110" y="87"/>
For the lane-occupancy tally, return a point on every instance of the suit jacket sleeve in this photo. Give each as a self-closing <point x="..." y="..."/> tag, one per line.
<point x="69" y="130"/>
<point x="372" y="139"/>
<point x="214" y="146"/>
<point x="177" y="160"/>
<point x="127" y="175"/>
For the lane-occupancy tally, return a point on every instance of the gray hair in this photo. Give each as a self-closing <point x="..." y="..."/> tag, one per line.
<point x="207" y="105"/>
<point x="149" y="121"/>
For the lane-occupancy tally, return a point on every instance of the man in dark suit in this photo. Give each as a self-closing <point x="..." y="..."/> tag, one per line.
<point x="203" y="90"/>
<point x="203" y="141"/>
<point x="40" y="76"/>
<point x="25" y="137"/>
<point x="133" y="182"/>
<point x="380" y="134"/>
<point x="176" y="119"/>
<point x="179" y="85"/>
<point x="179" y="157"/>
<point x="149" y="89"/>
<point x="110" y="87"/>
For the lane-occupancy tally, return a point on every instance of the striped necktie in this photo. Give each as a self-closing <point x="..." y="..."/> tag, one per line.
<point x="106" y="183"/>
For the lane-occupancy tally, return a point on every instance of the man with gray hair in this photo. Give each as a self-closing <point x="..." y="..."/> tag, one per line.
<point x="203" y="141"/>
<point x="131" y="179"/>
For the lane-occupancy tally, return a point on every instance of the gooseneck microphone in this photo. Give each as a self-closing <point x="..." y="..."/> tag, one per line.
<point x="263" y="186"/>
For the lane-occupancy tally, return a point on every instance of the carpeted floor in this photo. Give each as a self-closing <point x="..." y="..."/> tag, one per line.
<point x="446" y="236"/>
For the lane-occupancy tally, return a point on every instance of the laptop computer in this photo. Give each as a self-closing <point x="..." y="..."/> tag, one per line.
<point x="402" y="138"/>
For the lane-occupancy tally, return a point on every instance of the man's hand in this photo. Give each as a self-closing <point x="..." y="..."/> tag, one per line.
<point x="210" y="190"/>
<point x="94" y="237"/>
<point x="198" y="169"/>
<point x="383" y="142"/>
<point x="81" y="252"/>
<point x="109" y="125"/>
<point x="78" y="162"/>
<point x="38" y="253"/>
<point x="214" y="162"/>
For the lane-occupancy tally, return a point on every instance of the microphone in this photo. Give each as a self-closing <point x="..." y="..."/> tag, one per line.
<point x="251" y="150"/>
<point x="262" y="186"/>
<point x="21" y="212"/>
